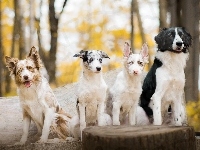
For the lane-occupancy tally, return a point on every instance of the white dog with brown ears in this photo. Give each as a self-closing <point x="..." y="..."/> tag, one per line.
<point x="125" y="93"/>
<point x="91" y="93"/>
<point x="37" y="99"/>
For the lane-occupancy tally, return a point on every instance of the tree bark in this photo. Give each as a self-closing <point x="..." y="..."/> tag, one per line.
<point x="163" y="13"/>
<point x="132" y="25"/>
<point x="1" y="55"/>
<point x="53" y="21"/>
<point x="190" y="20"/>
<point x="138" y="138"/>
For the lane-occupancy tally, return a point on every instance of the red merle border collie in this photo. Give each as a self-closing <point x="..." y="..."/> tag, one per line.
<point x="164" y="83"/>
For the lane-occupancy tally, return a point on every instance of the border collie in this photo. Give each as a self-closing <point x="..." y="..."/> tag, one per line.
<point x="164" y="83"/>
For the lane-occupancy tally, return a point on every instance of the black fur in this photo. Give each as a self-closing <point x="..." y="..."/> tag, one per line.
<point x="166" y="36"/>
<point x="164" y="41"/>
<point x="149" y="87"/>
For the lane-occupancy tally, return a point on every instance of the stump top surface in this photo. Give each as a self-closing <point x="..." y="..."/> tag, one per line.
<point x="132" y="131"/>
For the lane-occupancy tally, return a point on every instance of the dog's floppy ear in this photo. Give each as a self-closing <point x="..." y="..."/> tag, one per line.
<point x="82" y="54"/>
<point x="127" y="50"/>
<point x="158" y="38"/>
<point x="187" y="38"/>
<point x="34" y="55"/>
<point x="11" y="64"/>
<point x="145" y="53"/>
<point x="104" y="55"/>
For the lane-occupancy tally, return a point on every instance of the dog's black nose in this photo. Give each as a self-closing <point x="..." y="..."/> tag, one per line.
<point x="179" y="43"/>
<point x="98" y="68"/>
<point x="26" y="77"/>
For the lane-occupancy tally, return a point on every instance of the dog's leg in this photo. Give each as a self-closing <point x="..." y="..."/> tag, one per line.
<point x="26" y="125"/>
<point x="179" y="111"/>
<point x="49" y="115"/>
<point x="132" y="114"/>
<point x="161" y="88"/>
<point x="82" y="117"/>
<point x="100" y="114"/>
<point x="116" y="113"/>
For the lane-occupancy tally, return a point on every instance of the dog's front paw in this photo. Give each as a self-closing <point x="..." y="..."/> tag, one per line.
<point x="116" y="123"/>
<point x="20" y="143"/>
<point x="71" y="139"/>
<point x="42" y="140"/>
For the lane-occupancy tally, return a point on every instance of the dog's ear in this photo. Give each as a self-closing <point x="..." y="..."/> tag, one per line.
<point x="11" y="64"/>
<point x="104" y="55"/>
<point x="82" y="54"/>
<point x="127" y="50"/>
<point x="187" y="38"/>
<point x="34" y="55"/>
<point x="158" y="38"/>
<point x="145" y="53"/>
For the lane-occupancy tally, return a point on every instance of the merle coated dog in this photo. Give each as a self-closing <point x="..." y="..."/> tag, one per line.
<point x="164" y="83"/>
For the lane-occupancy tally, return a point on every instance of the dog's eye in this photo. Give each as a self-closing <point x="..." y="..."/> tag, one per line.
<point x="29" y="68"/>
<point x="131" y="62"/>
<point x="91" y="59"/>
<point x="140" y="63"/>
<point x="100" y="60"/>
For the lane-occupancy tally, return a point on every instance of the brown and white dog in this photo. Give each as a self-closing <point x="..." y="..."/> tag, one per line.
<point x="37" y="99"/>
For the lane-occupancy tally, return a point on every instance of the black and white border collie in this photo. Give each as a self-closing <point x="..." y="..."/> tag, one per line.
<point x="164" y="83"/>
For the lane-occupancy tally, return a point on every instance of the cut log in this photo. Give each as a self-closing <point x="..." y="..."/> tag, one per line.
<point x="139" y="138"/>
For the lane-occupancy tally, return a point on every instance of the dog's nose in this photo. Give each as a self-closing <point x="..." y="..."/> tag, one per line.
<point x="135" y="72"/>
<point x="98" y="68"/>
<point x="179" y="43"/>
<point x="25" y="77"/>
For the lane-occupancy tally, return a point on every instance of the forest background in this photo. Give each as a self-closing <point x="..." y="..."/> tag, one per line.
<point x="61" y="28"/>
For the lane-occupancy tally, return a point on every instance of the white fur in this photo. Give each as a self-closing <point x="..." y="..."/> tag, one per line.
<point x="127" y="88"/>
<point x="37" y="99"/>
<point x="91" y="98"/>
<point x="170" y="79"/>
<point x="177" y="38"/>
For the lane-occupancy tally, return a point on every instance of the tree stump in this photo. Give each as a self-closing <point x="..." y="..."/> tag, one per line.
<point x="139" y="138"/>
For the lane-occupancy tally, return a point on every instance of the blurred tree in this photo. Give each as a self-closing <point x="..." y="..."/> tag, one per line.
<point x="49" y="58"/>
<point x="1" y="54"/>
<point x="190" y="20"/>
<point x="132" y="25"/>
<point x="163" y="13"/>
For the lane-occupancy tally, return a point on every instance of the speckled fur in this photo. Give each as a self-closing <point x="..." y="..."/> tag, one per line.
<point x="37" y="100"/>
<point x="91" y="93"/>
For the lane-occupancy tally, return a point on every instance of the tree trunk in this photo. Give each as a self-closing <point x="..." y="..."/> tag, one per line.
<point x="15" y="37"/>
<point x="190" y="20"/>
<point x="22" y="52"/>
<point x="132" y="25"/>
<point x="1" y="55"/>
<point x="53" y="21"/>
<point x="31" y="24"/>
<point x="163" y="13"/>
<point x="138" y="138"/>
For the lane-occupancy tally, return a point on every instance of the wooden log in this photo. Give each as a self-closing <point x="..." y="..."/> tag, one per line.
<point x="139" y="138"/>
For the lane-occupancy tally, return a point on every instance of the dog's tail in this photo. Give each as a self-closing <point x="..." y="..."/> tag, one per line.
<point x="60" y="124"/>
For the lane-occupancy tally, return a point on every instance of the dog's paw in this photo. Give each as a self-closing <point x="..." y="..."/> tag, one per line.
<point x="20" y="143"/>
<point x="117" y="123"/>
<point x="71" y="139"/>
<point x="41" y="140"/>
